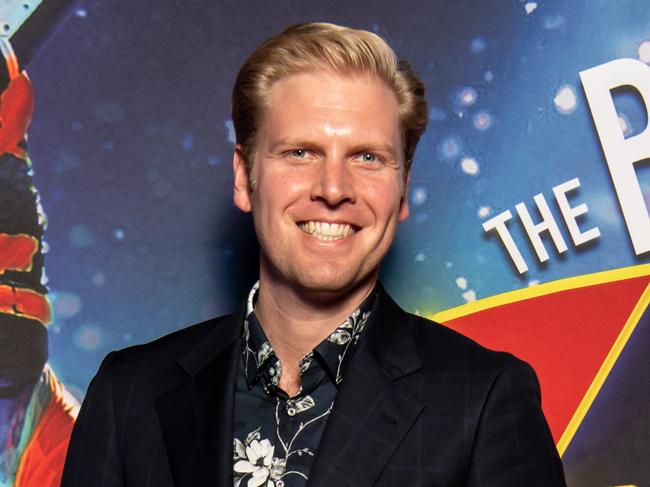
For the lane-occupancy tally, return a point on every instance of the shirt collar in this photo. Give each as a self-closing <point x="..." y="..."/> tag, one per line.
<point x="261" y="362"/>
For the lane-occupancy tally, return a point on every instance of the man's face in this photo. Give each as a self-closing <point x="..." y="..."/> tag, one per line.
<point x="329" y="183"/>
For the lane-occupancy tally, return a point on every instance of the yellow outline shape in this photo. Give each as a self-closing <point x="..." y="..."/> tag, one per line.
<point x="604" y="371"/>
<point x="564" y="285"/>
<point x="541" y="290"/>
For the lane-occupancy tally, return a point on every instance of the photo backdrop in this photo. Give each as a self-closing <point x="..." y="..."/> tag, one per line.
<point x="529" y="226"/>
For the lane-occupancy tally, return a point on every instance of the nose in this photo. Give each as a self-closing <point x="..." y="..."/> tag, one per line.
<point x="333" y="183"/>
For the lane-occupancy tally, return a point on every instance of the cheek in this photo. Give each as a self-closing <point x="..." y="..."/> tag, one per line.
<point x="278" y="190"/>
<point x="384" y="197"/>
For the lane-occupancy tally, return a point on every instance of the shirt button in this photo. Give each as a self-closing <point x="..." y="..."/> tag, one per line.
<point x="291" y="411"/>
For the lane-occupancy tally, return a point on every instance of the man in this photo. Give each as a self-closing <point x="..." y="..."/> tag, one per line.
<point x="321" y="379"/>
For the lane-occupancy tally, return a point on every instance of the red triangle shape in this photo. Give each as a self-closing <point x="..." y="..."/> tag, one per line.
<point x="565" y="335"/>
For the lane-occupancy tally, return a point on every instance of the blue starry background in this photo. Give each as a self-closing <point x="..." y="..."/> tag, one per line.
<point x="131" y="144"/>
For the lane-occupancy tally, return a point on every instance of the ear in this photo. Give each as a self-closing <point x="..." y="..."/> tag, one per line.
<point x="404" y="203"/>
<point x="241" y="190"/>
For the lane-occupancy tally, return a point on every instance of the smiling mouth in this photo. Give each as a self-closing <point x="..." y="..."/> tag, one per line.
<point x="327" y="231"/>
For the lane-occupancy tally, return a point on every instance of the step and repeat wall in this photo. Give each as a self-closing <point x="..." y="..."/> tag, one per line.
<point x="529" y="227"/>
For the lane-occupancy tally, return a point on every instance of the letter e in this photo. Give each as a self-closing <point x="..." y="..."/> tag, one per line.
<point x="570" y="213"/>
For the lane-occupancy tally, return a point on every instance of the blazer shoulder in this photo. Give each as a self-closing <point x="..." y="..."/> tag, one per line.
<point x="397" y="332"/>
<point x="172" y="344"/>
<point x="438" y="343"/>
<point x="158" y="360"/>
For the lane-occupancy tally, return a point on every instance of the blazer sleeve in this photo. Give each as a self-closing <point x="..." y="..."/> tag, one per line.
<point x="513" y="444"/>
<point x="93" y="457"/>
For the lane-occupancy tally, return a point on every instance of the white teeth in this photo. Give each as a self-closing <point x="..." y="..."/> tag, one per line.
<point x="327" y="231"/>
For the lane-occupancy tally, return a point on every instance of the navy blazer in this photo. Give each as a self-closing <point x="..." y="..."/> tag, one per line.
<point x="421" y="405"/>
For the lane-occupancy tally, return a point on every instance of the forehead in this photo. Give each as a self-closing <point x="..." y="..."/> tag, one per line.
<point x="325" y="103"/>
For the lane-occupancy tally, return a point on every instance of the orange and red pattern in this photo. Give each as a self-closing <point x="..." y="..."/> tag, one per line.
<point x="25" y="302"/>
<point x="16" y="252"/>
<point x="41" y="464"/>
<point x="16" y="109"/>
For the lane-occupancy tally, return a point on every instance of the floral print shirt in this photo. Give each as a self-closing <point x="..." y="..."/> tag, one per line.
<point x="276" y="437"/>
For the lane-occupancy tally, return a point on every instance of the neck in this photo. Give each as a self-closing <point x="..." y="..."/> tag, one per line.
<point x="295" y="320"/>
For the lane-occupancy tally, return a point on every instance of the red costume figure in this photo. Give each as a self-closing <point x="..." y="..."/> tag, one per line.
<point x="36" y="413"/>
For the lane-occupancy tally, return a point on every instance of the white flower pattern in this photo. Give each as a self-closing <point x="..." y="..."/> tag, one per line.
<point x="254" y="462"/>
<point x="264" y="462"/>
<point x="348" y="334"/>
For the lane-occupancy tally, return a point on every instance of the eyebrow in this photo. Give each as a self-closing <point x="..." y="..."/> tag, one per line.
<point x="361" y="147"/>
<point x="374" y="147"/>
<point x="290" y="142"/>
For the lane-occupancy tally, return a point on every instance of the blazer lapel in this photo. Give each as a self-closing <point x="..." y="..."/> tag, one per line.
<point x="372" y="413"/>
<point x="196" y="414"/>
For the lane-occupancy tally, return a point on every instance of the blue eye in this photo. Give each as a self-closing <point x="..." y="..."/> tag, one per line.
<point x="368" y="157"/>
<point x="299" y="153"/>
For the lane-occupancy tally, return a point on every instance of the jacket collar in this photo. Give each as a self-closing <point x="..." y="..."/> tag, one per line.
<point x="372" y="412"/>
<point x="226" y="330"/>
<point x="390" y="341"/>
<point x="196" y="414"/>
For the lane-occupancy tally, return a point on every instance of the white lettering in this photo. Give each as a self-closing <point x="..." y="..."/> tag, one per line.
<point x="498" y="223"/>
<point x="621" y="154"/>
<point x="547" y="224"/>
<point x="571" y="213"/>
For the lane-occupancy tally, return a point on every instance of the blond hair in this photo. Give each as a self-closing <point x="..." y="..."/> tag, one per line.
<point x="309" y="47"/>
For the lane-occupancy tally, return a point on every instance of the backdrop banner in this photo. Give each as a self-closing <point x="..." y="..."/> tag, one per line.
<point x="529" y="194"/>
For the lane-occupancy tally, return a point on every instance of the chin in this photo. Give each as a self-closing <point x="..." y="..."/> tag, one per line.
<point x="329" y="281"/>
<point x="322" y="285"/>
